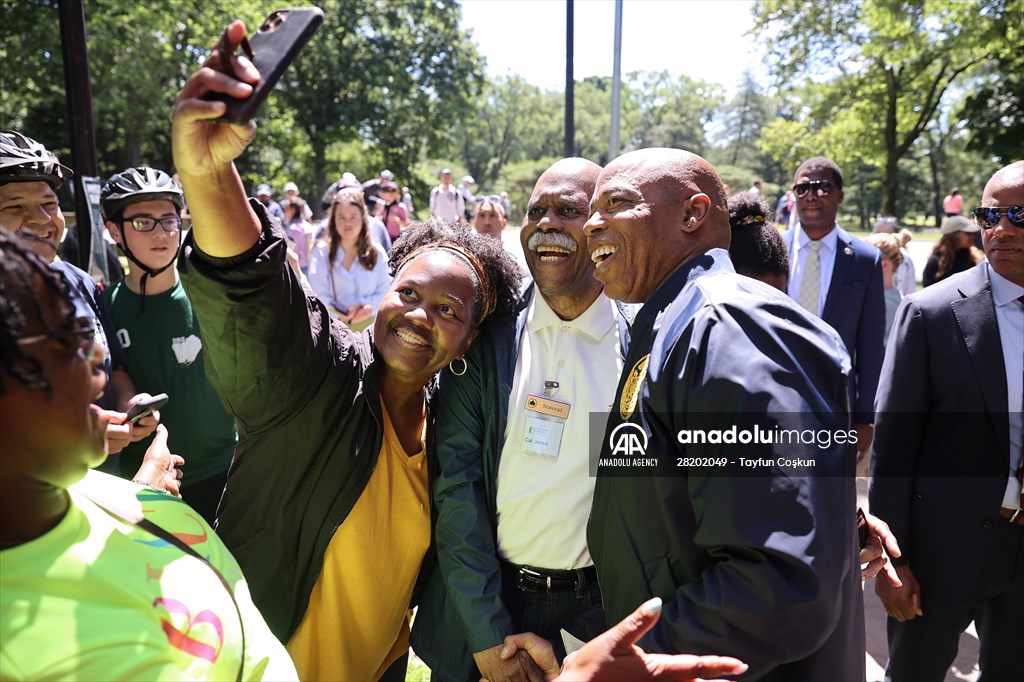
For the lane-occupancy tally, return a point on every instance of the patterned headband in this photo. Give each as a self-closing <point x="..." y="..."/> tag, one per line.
<point x="487" y="292"/>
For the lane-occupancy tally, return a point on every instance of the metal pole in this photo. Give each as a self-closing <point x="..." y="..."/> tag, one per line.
<point x="78" y="89"/>
<point x="570" y="118"/>
<point x="613" y="137"/>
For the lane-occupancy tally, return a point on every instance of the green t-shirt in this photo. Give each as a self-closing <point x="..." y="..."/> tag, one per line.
<point x="97" y="598"/>
<point x="164" y="354"/>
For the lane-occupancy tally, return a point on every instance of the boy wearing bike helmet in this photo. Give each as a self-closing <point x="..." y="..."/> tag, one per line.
<point x="30" y="176"/>
<point x="154" y="322"/>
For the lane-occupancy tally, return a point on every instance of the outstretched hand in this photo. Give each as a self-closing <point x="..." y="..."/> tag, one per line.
<point x="614" y="655"/>
<point x="204" y="149"/>
<point x="160" y="466"/>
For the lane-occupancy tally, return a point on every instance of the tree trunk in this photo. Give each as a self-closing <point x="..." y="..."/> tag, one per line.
<point x="861" y="208"/>
<point x="131" y="151"/>
<point x="892" y="153"/>
<point x="319" y="171"/>
<point x="933" y="161"/>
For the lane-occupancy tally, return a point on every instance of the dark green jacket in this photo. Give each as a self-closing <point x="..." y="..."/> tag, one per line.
<point x="461" y="610"/>
<point x="306" y="396"/>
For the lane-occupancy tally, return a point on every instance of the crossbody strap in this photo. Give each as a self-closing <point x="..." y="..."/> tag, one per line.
<point x="136" y="518"/>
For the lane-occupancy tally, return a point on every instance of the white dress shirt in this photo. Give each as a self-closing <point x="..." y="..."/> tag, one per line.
<point x="543" y="505"/>
<point x="798" y="261"/>
<point x="342" y="287"/>
<point x="1010" y="320"/>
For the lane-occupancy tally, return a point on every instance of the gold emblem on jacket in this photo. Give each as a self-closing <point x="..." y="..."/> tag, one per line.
<point x="631" y="389"/>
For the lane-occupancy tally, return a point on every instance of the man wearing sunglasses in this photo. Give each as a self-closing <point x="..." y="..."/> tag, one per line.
<point x="30" y="176"/>
<point x="160" y="334"/>
<point x="838" y="278"/>
<point x="947" y="473"/>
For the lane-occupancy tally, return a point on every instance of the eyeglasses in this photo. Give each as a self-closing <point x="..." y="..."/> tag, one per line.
<point x="988" y="217"/>
<point x="146" y="224"/>
<point x="81" y="339"/>
<point x="821" y="187"/>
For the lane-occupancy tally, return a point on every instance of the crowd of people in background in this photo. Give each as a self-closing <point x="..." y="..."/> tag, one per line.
<point x="373" y="413"/>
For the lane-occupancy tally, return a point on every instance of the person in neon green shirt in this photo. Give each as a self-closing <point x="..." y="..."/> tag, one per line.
<point x="100" y="578"/>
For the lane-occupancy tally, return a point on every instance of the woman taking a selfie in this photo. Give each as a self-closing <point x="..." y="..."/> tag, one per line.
<point x="326" y="507"/>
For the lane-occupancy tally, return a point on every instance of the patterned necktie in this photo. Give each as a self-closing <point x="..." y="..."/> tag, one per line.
<point x="811" y="283"/>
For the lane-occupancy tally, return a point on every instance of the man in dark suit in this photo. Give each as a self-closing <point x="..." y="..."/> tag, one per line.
<point x="947" y="448"/>
<point x="757" y="560"/>
<point x="838" y="278"/>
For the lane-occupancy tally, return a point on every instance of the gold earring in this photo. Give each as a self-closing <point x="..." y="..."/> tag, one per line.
<point x="465" y="366"/>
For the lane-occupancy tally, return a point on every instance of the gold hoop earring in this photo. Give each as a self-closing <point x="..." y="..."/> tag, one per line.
<point x="465" y="366"/>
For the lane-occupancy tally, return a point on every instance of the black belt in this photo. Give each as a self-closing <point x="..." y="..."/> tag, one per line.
<point x="533" y="579"/>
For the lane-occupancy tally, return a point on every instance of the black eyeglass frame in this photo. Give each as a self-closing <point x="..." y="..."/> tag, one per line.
<point x="153" y="222"/>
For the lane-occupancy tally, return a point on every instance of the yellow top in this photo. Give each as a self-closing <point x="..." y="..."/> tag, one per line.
<point x="356" y="624"/>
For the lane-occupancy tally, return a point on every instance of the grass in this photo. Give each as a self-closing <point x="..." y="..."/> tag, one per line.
<point x="417" y="671"/>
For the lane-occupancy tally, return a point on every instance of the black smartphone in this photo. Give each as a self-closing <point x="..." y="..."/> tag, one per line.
<point x="144" y="408"/>
<point x="273" y="47"/>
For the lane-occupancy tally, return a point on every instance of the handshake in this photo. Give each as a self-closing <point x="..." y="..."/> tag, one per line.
<point x="613" y="655"/>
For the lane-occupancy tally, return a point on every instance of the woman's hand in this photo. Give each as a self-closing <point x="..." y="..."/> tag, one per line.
<point x="360" y="313"/>
<point x="201" y="148"/>
<point x="160" y="466"/>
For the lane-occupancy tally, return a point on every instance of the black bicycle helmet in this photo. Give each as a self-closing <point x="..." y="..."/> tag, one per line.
<point x="22" y="159"/>
<point x="133" y="185"/>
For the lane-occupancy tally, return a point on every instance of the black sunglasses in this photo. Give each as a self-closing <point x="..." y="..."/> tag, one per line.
<point x="821" y="187"/>
<point x="988" y="217"/>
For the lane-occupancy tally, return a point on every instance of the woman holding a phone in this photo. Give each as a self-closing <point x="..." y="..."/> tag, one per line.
<point x="326" y="507"/>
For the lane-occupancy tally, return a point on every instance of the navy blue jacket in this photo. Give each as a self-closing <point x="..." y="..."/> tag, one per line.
<point x="760" y="564"/>
<point x="942" y="439"/>
<point x="855" y="307"/>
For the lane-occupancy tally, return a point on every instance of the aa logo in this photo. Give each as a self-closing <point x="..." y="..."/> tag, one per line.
<point x="628" y="440"/>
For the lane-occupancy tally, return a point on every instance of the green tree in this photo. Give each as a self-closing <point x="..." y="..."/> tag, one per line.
<point x="673" y="112"/>
<point x="890" y="61"/>
<point x="139" y="54"/>
<point x="992" y="113"/>
<point x="509" y="121"/>
<point x="397" y="74"/>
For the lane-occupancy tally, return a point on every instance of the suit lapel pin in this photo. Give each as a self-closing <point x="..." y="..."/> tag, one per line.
<point x="848" y="251"/>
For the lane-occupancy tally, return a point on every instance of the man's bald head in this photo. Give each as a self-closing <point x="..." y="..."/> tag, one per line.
<point x="583" y="171"/>
<point x="653" y="210"/>
<point x="1011" y="176"/>
<point x="552" y="236"/>
<point x="1003" y="241"/>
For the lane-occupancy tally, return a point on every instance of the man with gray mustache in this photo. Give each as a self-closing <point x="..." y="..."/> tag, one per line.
<point x="513" y="491"/>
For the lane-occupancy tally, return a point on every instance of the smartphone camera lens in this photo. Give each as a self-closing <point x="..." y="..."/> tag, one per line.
<point x="273" y="22"/>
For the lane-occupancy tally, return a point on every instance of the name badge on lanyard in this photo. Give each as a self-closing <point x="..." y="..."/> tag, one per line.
<point x="545" y="422"/>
